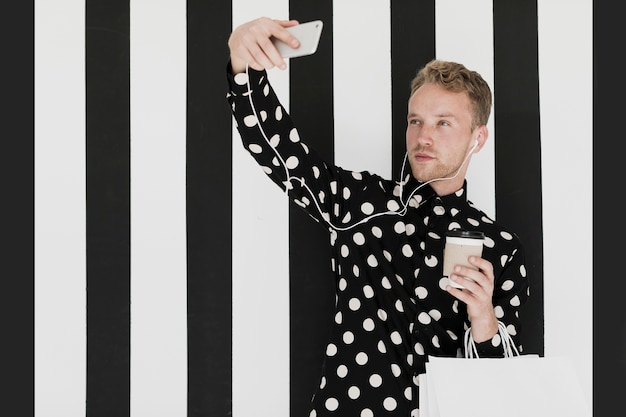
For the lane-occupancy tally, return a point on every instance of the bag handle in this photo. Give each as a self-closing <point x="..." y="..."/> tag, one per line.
<point x="508" y="344"/>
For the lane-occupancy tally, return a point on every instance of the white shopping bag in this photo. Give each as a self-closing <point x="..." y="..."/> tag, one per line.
<point x="519" y="386"/>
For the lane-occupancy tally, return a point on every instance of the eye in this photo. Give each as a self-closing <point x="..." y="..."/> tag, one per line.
<point x="414" y="122"/>
<point x="444" y="123"/>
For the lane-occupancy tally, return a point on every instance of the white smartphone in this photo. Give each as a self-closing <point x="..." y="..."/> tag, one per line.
<point x="307" y="33"/>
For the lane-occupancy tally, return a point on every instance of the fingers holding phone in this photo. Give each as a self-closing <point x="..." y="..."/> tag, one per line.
<point x="252" y="43"/>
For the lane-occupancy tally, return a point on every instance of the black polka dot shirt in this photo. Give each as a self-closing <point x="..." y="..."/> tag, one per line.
<point x="387" y="238"/>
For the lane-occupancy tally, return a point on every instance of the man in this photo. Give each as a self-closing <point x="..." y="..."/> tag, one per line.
<point x="394" y="307"/>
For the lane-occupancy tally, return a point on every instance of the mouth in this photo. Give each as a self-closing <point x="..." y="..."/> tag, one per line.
<point x="422" y="157"/>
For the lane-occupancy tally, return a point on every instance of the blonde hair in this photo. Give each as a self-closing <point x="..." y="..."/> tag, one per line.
<point x="457" y="78"/>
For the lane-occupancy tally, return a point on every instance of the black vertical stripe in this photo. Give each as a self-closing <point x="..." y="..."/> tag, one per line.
<point x="209" y="210"/>
<point x="518" y="147"/>
<point x="412" y="46"/>
<point x="17" y="220"/>
<point x="311" y="283"/>
<point x="609" y="285"/>
<point x="108" y="207"/>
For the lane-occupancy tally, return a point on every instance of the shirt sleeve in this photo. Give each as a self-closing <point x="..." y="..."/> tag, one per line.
<point x="511" y="291"/>
<point x="270" y="136"/>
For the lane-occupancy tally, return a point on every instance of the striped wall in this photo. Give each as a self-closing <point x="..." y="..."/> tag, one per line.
<point x="170" y="278"/>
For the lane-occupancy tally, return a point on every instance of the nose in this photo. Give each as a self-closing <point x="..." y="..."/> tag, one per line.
<point x="419" y="134"/>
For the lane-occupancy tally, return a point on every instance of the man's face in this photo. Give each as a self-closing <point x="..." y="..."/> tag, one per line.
<point x="439" y="136"/>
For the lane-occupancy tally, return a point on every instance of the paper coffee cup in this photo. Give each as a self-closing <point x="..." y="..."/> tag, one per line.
<point x="460" y="245"/>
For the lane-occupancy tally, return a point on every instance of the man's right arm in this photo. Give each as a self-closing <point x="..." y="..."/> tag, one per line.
<point x="251" y="44"/>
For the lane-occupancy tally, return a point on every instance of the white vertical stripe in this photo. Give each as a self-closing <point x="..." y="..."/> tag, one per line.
<point x="566" y="97"/>
<point x="260" y="265"/>
<point x="60" y="332"/>
<point x="158" y="226"/>
<point x="362" y="85"/>
<point x="464" y="33"/>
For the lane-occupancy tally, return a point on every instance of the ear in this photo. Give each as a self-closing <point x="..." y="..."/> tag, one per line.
<point x="481" y="137"/>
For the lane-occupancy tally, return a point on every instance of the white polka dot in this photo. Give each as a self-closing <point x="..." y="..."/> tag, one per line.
<point x="443" y="283"/>
<point x="410" y="229"/>
<point x="313" y="413"/>
<point x="275" y="140"/>
<point x="382" y="314"/>
<point x="354" y="304"/>
<point x="323" y="382"/>
<point x="387" y="255"/>
<point x="356" y="271"/>
<point x="354" y="392"/>
<point x="424" y="318"/>
<point x="377" y="232"/>
<point x="507" y="285"/>
<point x="407" y="250"/>
<point x="381" y="347"/>
<point x="368" y="325"/>
<point x="372" y="261"/>
<point x="241" y="78"/>
<point x="399" y="279"/>
<point x="515" y="301"/>
<point x="367" y="208"/>
<point x="435" y="341"/>
<point x="368" y="291"/>
<point x="338" y="318"/>
<point x="431" y="261"/>
<point x="346" y="193"/>
<point x="345" y="251"/>
<point x="392" y="205"/>
<point x="342" y="284"/>
<point x="359" y="238"/>
<point x="342" y="371"/>
<point x="332" y="404"/>
<point x="408" y="393"/>
<point x="385" y="283"/>
<point x="454" y="225"/>
<point x="263" y="115"/>
<point x="399" y="306"/>
<point x="294" y="136"/>
<point x="366" y="413"/>
<point x="390" y="404"/>
<point x="396" y="338"/>
<point x="250" y="121"/>
<point x="361" y="358"/>
<point x="348" y="337"/>
<point x="506" y="235"/>
<point x="375" y="380"/>
<point x="292" y="162"/>
<point x="395" y="369"/>
<point x="399" y="227"/>
<point x="435" y="314"/>
<point x="499" y="312"/>
<point x="419" y="349"/>
<point x="421" y="292"/>
<point x="254" y="148"/>
<point x="331" y="349"/>
<point x="278" y="114"/>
